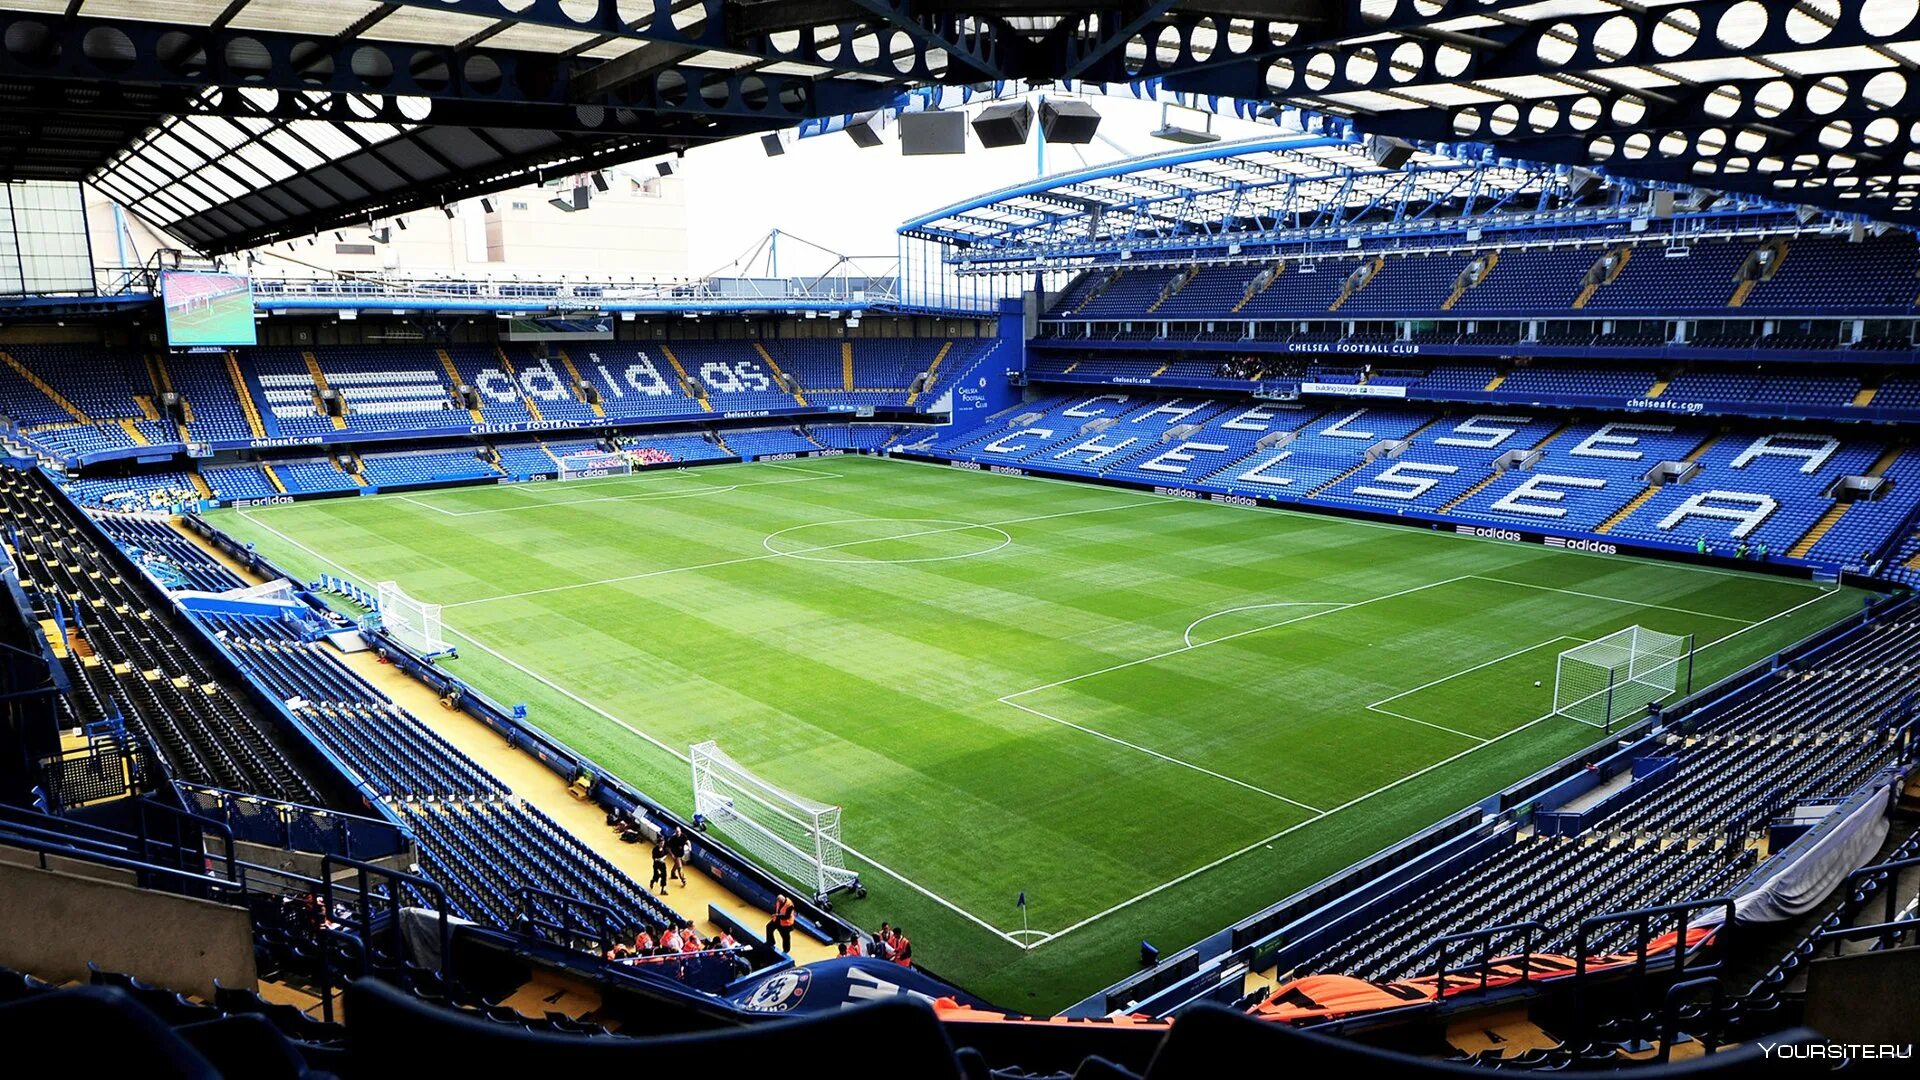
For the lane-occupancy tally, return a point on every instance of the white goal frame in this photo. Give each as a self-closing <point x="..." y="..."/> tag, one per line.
<point x="1618" y="676"/>
<point x="415" y="623"/>
<point x="794" y="836"/>
<point x="592" y="464"/>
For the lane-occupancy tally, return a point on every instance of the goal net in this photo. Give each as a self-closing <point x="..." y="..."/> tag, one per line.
<point x="417" y="625"/>
<point x="587" y="465"/>
<point x="791" y="835"/>
<point x="1616" y="677"/>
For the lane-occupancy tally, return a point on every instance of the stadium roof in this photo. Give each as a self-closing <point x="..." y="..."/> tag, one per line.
<point x="237" y="122"/>
<point x="1299" y="187"/>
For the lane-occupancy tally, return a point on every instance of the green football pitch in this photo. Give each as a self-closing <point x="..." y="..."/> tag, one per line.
<point x="1151" y="715"/>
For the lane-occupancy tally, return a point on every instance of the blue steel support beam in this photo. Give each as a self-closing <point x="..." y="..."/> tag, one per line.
<point x="497" y="87"/>
<point x="986" y="54"/>
<point x="716" y="27"/>
<point x="1089" y="53"/>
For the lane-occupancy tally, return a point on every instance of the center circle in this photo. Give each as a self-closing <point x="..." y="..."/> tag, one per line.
<point x="886" y="540"/>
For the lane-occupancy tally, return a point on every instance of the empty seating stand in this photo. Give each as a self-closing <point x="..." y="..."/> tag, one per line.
<point x="1812" y="730"/>
<point x="477" y="840"/>
<point x="141" y="669"/>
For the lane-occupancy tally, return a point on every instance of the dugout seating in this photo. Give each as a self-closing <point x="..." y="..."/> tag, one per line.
<point x="144" y="670"/>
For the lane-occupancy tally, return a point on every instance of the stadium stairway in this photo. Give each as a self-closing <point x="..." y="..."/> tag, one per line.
<point x="1626" y="511"/>
<point x="256" y="421"/>
<point x="41" y="385"/>
<point x="688" y="385"/>
<point x="1838" y="510"/>
<point x="506" y="365"/>
<point x="779" y="377"/>
<point x="932" y="372"/>
<point x="320" y="383"/>
<point x="455" y="379"/>
<point x="579" y="387"/>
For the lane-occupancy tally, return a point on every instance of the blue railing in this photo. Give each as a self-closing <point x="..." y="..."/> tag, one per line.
<point x="295" y="827"/>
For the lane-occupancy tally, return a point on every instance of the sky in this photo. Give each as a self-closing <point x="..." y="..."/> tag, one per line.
<point x="828" y="191"/>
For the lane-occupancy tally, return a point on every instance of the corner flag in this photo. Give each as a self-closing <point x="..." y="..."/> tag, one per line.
<point x="1022" y="902"/>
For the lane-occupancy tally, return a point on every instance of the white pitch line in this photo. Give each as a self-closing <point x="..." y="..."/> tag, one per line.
<point x="798" y="469"/>
<point x="1231" y="637"/>
<point x="1426" y="723"/>
<point x="783" y="554"/>
<point x="1012" y="937"/>
<point x="1477" y="667"/>
<point x="597" y="710"/>
<point x="1168" y="758"/>
<point x="1614" y="599"/>
<point x="1230" y="856"/>
<point x="427" y="505"/>
<point x="1187" y="637"/>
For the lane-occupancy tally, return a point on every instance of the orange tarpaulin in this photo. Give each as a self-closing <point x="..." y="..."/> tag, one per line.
<point x="1322" y="997"/>
<point x="951" y="1010"/>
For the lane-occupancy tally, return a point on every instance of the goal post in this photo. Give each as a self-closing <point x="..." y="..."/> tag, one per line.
<point x="790" y="834"/>
<point x="1617" y="676"/>
<point x="415" y="624"/>
<point x="587" y="465"/>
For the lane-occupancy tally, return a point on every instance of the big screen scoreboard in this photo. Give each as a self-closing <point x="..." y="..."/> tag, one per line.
<point x="207" y="309"/>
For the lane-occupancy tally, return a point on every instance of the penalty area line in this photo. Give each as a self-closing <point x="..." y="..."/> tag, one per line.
<point x="1264" y="841"/>
<point x="1257" y="844"/>
<point x="1168" y="758"/>
<point x="866" y="860"/>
